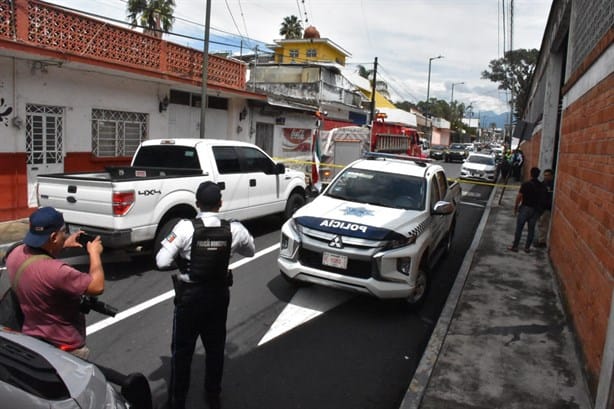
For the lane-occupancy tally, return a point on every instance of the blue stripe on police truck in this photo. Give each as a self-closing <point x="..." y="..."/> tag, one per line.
<point x="346" y="228"/>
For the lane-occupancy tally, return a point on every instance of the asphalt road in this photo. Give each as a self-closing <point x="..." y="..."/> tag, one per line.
<point x="354" y="352"/>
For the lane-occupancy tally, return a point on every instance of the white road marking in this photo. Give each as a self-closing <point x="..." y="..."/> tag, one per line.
<point x="91" y="329"/>
<point x="307" y="304"/>
<point x="474" y="204"/>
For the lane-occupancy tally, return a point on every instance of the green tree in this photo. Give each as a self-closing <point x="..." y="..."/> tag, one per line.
<point x="291" y="28"/>
<point x="155" y="16"/>
<point x="406" y="105"/>
<point x="514" y="72"/>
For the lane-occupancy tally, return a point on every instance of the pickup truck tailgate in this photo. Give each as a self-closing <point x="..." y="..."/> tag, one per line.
<point x="80" y="195"/>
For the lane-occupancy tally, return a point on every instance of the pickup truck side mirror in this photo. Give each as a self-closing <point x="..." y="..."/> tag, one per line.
<point x="443" y="208"/>
<point x="280" y="168"/>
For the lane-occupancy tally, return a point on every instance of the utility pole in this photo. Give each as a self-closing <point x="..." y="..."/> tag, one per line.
<point x="203" y="92"/>
<point x="373" y="90"/>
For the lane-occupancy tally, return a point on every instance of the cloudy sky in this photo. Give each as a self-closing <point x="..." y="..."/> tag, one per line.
<point x="403" y="34"/>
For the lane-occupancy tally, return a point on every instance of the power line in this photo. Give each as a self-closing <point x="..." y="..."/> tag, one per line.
<point x="232" y="17"/>
<point x="243" y="18"/>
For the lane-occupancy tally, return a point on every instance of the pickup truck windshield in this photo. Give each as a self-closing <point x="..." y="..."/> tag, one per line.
<point x="379" y="189"/>
<point x="167" y="156"/>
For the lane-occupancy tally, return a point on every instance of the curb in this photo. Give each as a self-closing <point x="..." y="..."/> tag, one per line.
<point x="417" y="387"/>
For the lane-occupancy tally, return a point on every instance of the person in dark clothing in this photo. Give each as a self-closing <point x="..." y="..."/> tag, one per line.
<point x="528" y="207"/>
<point x="544" y="220"/>
<point x="203" y="248"/>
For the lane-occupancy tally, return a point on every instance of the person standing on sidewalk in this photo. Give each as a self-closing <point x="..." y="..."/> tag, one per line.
<point x="49" y="290"/>
<point x="203" y="247"/>
<point x="517" y="162"/>
<point x="544" y="220"/>
<point x="527" y="207"/>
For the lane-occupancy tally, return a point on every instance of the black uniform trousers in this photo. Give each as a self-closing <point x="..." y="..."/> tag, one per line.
<point x="200" y="310"/>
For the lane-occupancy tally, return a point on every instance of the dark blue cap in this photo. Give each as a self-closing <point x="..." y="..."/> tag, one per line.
<point x="209" y="194"/>
<point x="43" y="222"/>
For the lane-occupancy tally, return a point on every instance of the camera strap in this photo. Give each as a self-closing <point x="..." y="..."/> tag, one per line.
<point x="23" y="266"/>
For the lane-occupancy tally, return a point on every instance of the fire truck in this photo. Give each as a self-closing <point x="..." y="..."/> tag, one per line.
<point x="341" y="146"/>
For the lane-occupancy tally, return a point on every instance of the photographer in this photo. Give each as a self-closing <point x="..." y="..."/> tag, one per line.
<point x="49" y="290"/>
<point x="203" y="248"/>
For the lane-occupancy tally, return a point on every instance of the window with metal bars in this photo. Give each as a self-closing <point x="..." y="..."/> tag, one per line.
<point x="117" y="133"/>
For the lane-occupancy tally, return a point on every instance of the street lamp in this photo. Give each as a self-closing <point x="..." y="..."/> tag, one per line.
<point x="452" y="97"/>
<point x="428" y="91"/>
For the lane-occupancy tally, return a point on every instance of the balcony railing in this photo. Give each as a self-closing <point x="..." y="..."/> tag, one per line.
<point x="28" y="25"/>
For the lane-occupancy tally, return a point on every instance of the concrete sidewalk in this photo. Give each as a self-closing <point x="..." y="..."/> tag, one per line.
<point x="503" y="339"/>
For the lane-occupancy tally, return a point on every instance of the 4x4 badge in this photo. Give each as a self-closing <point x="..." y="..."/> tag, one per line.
<point x="336" y="242"/>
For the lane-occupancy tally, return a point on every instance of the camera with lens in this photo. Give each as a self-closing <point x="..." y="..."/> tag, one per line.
<point x="85" y="238"/>
<point x="89" y="303"/>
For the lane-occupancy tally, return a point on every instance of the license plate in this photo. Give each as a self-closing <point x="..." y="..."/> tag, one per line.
<point x="335" y="260"/>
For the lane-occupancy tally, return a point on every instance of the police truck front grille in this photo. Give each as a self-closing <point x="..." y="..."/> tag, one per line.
<point x="356" y="268"/>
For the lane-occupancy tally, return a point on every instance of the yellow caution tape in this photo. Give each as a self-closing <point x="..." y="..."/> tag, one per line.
<point x="332" y="165"/>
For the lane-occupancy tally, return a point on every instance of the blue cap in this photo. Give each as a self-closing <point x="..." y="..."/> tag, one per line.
<point x="43" y="222"/>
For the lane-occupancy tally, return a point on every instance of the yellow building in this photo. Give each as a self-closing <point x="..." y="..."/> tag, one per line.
<point x="311" y="48"/>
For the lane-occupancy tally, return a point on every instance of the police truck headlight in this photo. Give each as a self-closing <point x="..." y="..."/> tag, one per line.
<point x="406" y="241"/>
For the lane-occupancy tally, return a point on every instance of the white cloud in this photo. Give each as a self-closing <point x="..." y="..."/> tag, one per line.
<point x="403" y="34"/>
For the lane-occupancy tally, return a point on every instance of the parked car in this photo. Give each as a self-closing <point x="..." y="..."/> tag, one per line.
<point x="438" y="152"/>
<point x="35" y="374"/>
<point x="378" y="229"/>
<point x="456" y="152"/>
<point x="479" y="166"/>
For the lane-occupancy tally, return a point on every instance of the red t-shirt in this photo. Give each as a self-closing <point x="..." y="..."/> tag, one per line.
<point x="49" y="294"/>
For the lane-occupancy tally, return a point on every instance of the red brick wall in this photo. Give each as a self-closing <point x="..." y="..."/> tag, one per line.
<point x="530" y="149"/>
<point x="582" y="235"/>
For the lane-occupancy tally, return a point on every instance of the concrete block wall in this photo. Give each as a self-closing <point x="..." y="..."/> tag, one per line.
<point x="582" y="230"/>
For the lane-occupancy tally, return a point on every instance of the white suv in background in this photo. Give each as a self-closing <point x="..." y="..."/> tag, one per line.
<point x="479" y="166"/>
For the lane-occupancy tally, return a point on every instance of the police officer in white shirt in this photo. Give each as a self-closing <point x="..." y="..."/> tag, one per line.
<point x="202" y="248"/>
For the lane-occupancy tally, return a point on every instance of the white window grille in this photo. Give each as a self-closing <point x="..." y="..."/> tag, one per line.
<point x="117" y="133"/>
<point x="312" y="52"/>
<point x="44" y="134"/>
<point x="293" y="53"/>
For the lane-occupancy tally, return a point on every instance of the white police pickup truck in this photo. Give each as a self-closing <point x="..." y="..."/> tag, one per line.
<point x="378" y="228"/>
<point x="139" y="204"/>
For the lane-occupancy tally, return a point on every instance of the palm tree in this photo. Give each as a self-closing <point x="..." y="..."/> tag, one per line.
<point x="155" y="16"/>
<point x="291" y="28"/>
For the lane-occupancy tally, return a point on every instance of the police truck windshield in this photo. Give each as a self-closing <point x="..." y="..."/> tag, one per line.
<point x="379" y="189"/>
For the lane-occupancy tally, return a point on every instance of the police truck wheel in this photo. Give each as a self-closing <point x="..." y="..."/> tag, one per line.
<point x="295" y="202"/>
<point x="416" y="299"/>
<point x="163" y="231"/>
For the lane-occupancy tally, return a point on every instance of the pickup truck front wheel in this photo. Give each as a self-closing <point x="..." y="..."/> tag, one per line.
<point x="295" y="202"/>
<point x="164" y="231"/>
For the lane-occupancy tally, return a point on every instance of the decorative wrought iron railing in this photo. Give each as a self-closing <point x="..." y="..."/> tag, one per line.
<point x="31" y="24"/>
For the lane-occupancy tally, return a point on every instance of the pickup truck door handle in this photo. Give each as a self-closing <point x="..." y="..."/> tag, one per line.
<point x="252" y="182"/>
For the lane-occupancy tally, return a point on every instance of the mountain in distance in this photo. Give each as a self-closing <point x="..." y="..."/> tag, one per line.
<point x="488" y="117"/>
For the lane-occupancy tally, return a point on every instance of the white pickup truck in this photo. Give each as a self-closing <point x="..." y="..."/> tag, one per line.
<point x="139" y="204"/>
<point x="378" y="228"/>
